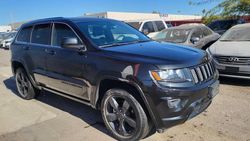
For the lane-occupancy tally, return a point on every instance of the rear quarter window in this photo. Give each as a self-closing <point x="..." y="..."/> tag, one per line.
<point x="24" y="34"/>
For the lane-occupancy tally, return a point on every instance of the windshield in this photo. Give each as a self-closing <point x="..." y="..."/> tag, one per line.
<point x="111" y="33"/>
<point x="173" y="35"/>
<point x="237" y="34"/>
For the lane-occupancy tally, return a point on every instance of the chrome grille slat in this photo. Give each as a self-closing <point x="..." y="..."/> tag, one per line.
<point x="194" y="76"/>
<point x="198" y="70"/>
<point x="210" y="68"/>
<point x="207" y="69"/>
<point x="203" y="72"/>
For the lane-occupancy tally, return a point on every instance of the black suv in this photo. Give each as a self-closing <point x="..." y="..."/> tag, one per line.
<point x="140" y="86"/>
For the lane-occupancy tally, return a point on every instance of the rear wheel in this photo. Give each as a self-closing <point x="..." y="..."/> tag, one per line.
<point x="123" y="115"/>
<point x="25" y="88"/>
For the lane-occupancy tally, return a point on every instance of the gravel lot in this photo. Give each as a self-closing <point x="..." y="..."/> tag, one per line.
<point x="54" y="118"/>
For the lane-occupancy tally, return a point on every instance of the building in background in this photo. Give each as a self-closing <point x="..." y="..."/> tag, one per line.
<point x="5" y="28"/>
<point x="124" y="16"/>
<point x="176" y="20"/>
<point x="129" y="16"/>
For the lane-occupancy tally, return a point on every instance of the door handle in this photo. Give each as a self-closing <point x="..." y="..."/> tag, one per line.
<point x="51" y="52"/>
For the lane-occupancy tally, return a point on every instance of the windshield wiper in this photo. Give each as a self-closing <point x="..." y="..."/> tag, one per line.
<point x="123" y="43"/>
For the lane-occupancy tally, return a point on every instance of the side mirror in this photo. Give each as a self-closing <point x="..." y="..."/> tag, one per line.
<point x="194" y="40"/>
<point x="145" y="31"/>
<point x="73" y="43"/>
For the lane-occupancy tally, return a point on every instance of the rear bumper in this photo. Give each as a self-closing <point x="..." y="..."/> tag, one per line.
<point x="192" y="101"/>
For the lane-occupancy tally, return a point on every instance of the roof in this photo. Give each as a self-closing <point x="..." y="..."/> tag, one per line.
<point x="187" y="26"/>
<point x="74" y="19"/>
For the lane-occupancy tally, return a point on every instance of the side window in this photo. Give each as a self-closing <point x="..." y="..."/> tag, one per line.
<point x="160" y="26"/>
<point x="197" y="34"/>
<point x="41" y="34"/>
<point x="148" y="26"/>
<point x="206" y="32"/>
<point x="60" y="32"/>
<point x="24" y="34"/>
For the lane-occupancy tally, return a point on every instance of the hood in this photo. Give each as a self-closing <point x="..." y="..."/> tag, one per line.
<point x="225" y="48"/>
<point x="161" y="54"/>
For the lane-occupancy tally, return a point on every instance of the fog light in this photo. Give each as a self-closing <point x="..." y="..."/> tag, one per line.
<point x="174" y="103"/>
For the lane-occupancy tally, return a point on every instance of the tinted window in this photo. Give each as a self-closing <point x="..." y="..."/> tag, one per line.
<point x="41" y="34"/>
<point x="197" y="33"/>
<point x="160" y="26"/>
<point x="60" y="32"/>
<point x="173" y="35"/>
<point x="206" y="31"/>
<point x="148" y="26"/>
<point x="24" y="34"/>
<point x="237" y="34"/>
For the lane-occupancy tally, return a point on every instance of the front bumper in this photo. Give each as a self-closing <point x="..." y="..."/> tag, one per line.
<point x="188" y="102"/>
<point x="233" y="71"/>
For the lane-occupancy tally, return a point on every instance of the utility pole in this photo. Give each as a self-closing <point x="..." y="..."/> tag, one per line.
<point x="11" y="20"/>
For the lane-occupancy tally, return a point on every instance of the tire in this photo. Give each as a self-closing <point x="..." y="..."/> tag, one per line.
<point x="123" y="116"/>
<point x="24" y="87"/>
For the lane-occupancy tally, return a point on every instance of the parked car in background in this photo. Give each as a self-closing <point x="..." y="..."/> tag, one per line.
<point x="150" y="27"/>
<point x="140" y="86"/>
<point x="5" y="43"/>
<point x="221" y="26"/>
<point x="231" y="52"/>
<point x="194" y="35"/>
<point x="3" y="35"/>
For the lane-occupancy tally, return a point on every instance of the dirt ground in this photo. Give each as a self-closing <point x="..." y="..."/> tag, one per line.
<point x="54" y="118"/>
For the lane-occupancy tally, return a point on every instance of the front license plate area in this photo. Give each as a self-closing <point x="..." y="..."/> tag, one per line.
<point x="214" y="89"/>
<point x="232" y="69"/>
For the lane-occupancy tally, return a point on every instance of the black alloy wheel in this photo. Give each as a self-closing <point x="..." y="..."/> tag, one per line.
<point x="123" y="115"/>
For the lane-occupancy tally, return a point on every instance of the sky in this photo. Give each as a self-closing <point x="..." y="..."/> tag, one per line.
<point x="25" y="10"/>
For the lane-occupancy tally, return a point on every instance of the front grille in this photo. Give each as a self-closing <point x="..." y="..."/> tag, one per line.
<point x="231" y="60"/>
<point x="203" y="72"/>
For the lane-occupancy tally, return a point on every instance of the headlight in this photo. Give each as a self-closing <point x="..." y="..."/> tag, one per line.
<point x="173" y="77"/>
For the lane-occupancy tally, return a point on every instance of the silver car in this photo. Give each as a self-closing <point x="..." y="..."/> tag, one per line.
<point x="193" y="35"/>
<point x="231" y="52"/>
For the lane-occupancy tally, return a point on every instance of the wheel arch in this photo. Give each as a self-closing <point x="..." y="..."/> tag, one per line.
<point x="132" y="87"/>
<point x="18" y="64"/>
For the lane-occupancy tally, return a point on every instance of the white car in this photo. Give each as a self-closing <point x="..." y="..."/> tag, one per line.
<point x="231" y="53"/>
<point x="150" y="27"/>
<point x="5" y="43"/>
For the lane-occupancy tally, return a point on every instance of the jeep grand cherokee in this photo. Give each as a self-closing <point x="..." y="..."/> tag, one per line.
<point x="139" y="85"/>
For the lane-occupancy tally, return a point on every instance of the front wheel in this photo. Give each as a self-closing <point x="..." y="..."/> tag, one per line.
<point x="123" y="115"/>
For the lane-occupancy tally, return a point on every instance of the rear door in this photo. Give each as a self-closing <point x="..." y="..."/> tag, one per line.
<point x="40" y="41"/>
<point x="65" y="66"/>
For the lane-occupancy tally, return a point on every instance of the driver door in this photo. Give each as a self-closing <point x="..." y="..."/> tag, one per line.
<point x="65" y="66"/>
